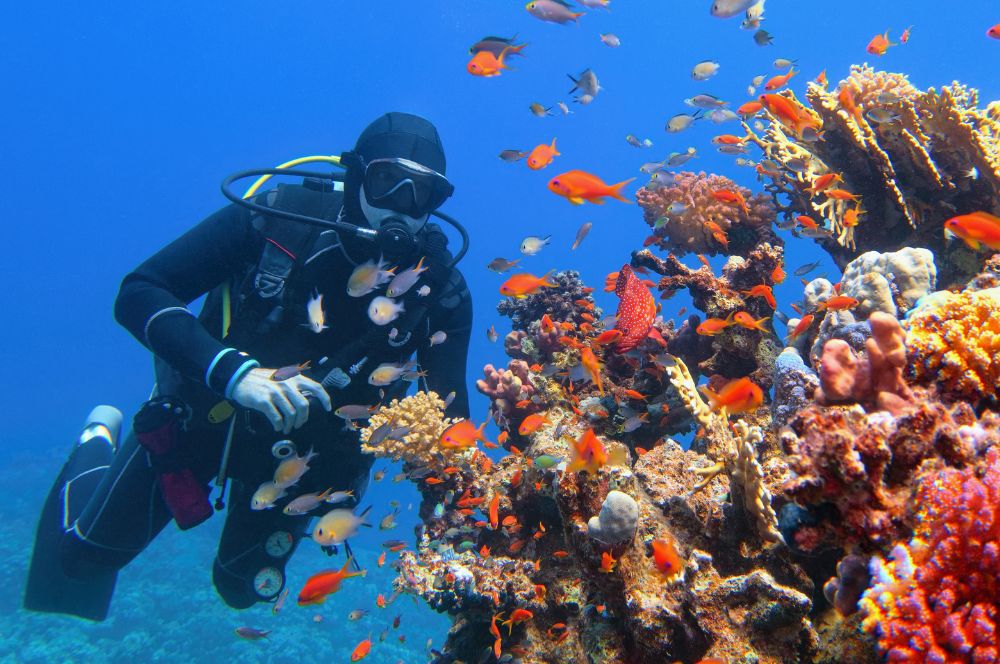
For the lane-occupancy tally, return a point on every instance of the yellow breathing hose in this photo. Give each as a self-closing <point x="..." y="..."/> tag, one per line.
<point x="226" y="295"/>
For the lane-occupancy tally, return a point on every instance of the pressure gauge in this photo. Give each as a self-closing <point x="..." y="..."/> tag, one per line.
<point x="279" y="543"/>
<point x="267" y="582"/>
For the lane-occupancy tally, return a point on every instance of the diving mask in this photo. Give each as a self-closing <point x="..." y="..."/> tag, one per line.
<point x="404" y="186"/>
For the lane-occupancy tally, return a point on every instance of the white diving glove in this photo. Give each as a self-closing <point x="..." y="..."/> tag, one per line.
<point x="283" y="402"/>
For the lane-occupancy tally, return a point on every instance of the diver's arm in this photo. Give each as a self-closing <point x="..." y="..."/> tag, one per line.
<point x="445" y="363"/>
<point x="152" y="302"/>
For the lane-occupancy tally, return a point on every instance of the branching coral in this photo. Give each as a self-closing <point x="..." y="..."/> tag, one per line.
<point x="736" y="455"/>
<point x="423" y="414"/>
<point x="954" y="341"/>
<point x="506" y="388"/>
<point x="936" y="601"/>
<point x="682" y="213"/>
<point x="911" y="172"/>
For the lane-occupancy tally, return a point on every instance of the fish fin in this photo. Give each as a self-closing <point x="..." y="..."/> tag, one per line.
<point x="710" y="394"/>
<point x="597" y="201"/>
<point x="616" y="190"/>
<point x="552" y="147"/>
<point x="972" y="243"/>
<point x="619" y="456"/>
<point x="545" y="281"/>
<point x="575" y="200"/>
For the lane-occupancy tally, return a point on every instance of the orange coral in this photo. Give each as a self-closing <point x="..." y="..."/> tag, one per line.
<point x="954" y="340"/>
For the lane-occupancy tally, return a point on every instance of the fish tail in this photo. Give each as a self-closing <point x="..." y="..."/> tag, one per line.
<point x="545" y="281"/>
<point x="615" y="190"/>
<point x="364" y="514"/>
<point x="711" y="395"/>
<point x="553" y="148"/>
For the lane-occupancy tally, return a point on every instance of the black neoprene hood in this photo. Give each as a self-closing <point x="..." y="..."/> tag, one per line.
<point x="405" y="136"/>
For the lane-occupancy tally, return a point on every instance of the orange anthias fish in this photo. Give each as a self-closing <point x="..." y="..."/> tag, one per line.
<point x="806" y="221"/>
<point x="880" y="44"/>
<point x="589" y="454"/>
<point x="842" y="195"/>
<point x="579" y="186"/>
<point x="837" y="303"/>
<point x="852" y="216"/>
<point x="975" y="229"/>
<point x="790" y="114"/>
<point x="750" y="108"/>
<point x="636" y="310"/>
<point x="764" y="291"/>
<point x="846" y="98"/>
<point x="530" y="424"/>
<point x="486" y="64"/>
<point x="607" y="336"/>
<point x="778" y="82"/>
<point x="738" y="396"/>
<point x="778" y="275"/>
<point x="743" y="319"/>
<point x="802" y="326"/>
<point x="905" y="37"/>
<point x="824" y="181"/>
<point x="494" y="512"/>
<point x="362" y="649"/>
<point x="666" y="558"/>
<point x="462" y="434"/>
<point x="542" y="156"/>
<point x="607" y="563"/>
<point x="821" y="78"/>
<point x="322" y="585"/>
<point x="593" y="367"/>
<point x="714" y="326"/>
<point x="524" y="284"/>
<point x="731" y="198"/>
<point x="994" y="31"/>
<point x="518" y="616"/>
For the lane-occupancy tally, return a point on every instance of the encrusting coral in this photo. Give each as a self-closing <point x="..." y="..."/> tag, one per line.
<point x="936" y="600"/>
<point x="901" y="177"/>
<point x="954" y="342"/>
<point x="687" y="217"/>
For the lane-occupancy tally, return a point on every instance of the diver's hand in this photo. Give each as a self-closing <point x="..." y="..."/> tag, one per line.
<point x="283" y="402"/>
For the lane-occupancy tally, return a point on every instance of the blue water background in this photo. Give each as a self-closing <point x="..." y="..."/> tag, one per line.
<point x="120" y="120"/>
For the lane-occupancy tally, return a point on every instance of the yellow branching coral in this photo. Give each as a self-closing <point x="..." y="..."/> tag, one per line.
<point x="954" y="340"/>
<point x="738" y="453"/>
<point x="423" y="414"/>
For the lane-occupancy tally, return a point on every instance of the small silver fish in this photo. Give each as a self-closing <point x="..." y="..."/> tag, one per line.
<point x="705" y="101"/>
<point x="538" y="110"/>
<point x="730" y="8"/>
<point x="580" y="234"/>
<point x="383" y="310"/>
<point x="704" y="70"/>
<point x="633" y="141"/>
<point x="798" y="164"/>
<point x="380" y="433"/>
<point x="564" y="108"/>
<point x="583" y="100"/>
<point x="265" y="496"/>
<point x="354" y="412"/>
<point x="881" y="115"/>
<point x="888" y="97"/>
<point x="424" y="291"/>
<point x="783" y="63"/>
<point x="251" y="633"/>
<point x="733" y="149"/>
<point x="448" y="399"/>
<point x="611" y="39"/>
<point x="438" y="337"/>
<point x="306" y="503"/>
<point x="679" y="158"/>
<point x="512" y="155"/>
<point x="676" y="208"/>
<point x="634" y="422"/>
<point x="501" y="265"/>
<point x="388" y="373"/>
<point x="652" y="166"/>
<point x="806" y="269"/>
<point x="763" y="38"/>
<point x="405" y="280"/>
<point x="279" y="603"/>
<point x="720" y="115"/>
<point x="492" y="334"/>
<point x="586" y="83"/>
<point x="532" y="244"/>
<point x="681" y="121"/>
<point x="552" y="11"/>
<point x="757" y="80"/>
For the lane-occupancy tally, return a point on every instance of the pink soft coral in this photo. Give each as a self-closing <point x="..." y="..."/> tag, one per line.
<point x="937" y="601"/>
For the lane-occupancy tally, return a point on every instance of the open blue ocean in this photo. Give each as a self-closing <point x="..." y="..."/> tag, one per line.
<point x="120" y="120"/>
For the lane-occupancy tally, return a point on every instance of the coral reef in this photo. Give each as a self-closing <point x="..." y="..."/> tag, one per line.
<point x="954" y="342"/>
<point x="876" y="379"/>
<point x="560" y="303"/>
<point x="423" y="415"/>
<point x="506" y="388"/>
<point x="856" y="470"/>
<point x="686" y="217"/>
<point x="909" y="174"/>
<point x="737" y="351"/>
<point x="890" y="282"/>
<point x="844" y="590"/>
<point x="937" y="599"/>
<point x="794" y="385"/>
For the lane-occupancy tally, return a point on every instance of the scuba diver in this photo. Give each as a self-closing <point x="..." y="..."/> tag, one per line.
<point x="276" y="268"/>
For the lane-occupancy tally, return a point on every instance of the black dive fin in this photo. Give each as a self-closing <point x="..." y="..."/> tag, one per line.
<point x="49" y="589"/>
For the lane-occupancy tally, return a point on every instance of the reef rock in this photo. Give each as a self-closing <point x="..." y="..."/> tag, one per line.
<point x="890" y="282"/>
<point x="794" y="385"/>
<point x="617" y="521"/>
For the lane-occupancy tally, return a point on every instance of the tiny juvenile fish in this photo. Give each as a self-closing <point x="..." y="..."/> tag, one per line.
<point x="383" y="310"/>
<point x="266" y="495"/>
<point x="251" y="633"/>
<point x="405" y="280"/>
<point x="314" y="313"/>
<point x="681" y="121"/>
<point x="586" y="83"/>
<point x="610" y="39"/>
<point x="501" y="265"/>
<point x="806" y="269"/>
<point x="512" y="155"/>
<point x="367" y="277"/>
<point x="580" y="234"/>
<point x="538" y="110"/>
<point x="763" y="38"/>
<point x="704" y="70"/>
<point x="681" y="158"/>
<point x="306" y="503"/>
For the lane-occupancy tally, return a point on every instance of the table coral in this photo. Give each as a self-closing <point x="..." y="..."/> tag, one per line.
<point x="936" y="600"/>
<point x="680" y="214"/>
<point x="954" y="342"/>
<point x="910" y="174"/>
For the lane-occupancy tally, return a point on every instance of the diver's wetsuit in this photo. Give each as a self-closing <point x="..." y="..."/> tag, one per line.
<point x="127" y="510"/>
